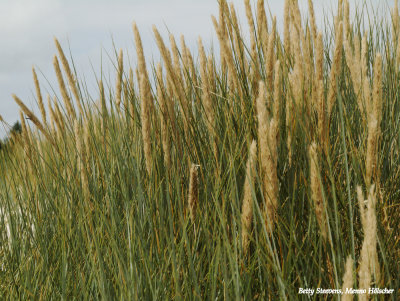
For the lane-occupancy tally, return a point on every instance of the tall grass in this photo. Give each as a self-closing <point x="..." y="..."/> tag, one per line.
<point x="139" y="195"/>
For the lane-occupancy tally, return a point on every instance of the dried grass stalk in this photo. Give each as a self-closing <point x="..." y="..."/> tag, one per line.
<point x="146" y="123"/>
<point x="312" y="19"/>
<point x="369" y="264"/>
<point x="262" y="25"/>
<point x="141" y="68"/>
<point x="286" y="28"/>
<point x="33" y="118"/>
<point x="193" y="198"/>
<point x="316" y="190"/>
<point x="267" y="135"/>
<point x="39" y="96"/>
<point x="63" y="89"/>
<point x="269" y="64"/>
<point x="164" y="118"/>
<point x="247" y="206"/>
<point x="277" y="93"/>
<point x="348" y="279"/>
<point x="71" y="79"/>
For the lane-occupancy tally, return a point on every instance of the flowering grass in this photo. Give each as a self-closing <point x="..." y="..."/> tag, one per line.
<point x="139" y="195"/>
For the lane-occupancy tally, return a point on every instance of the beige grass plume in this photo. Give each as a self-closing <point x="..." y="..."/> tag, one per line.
<point x="371" y="155"/>
<point x="262" y="25"/>
<point x="33" y="118"/>
<point x="323" y="131"/>
<point x="297" y="75"/>
<point x="377" y="89"/>
<point x="146" y="125"/>
<point x="176" y="85"/>
<point x="104" y="114"/>
<point x="193" y="197"/>
<point x="164" y="117"/>
<point x="319" y="57"/>
<point x="63" y="89"/>
<point x="254" y="61"/>
<point x="308" y="69"/>
<point x="277" y="93"/>
<point x="369" y="264"/>
<point x="141" y="68"/>
<point x="348" y="279"/>
<point x="39" y="96"/>
<point x="290" y="120"/>
<point x="286" y="27"/>
<point x="238" y="45"/>
<point x="70" y="76"/>
<point x="253" y="45"/>
<point x="395" y="20"/>
<point x="133" y="94"/>
<point x="222" y="30"/>
<point x="269" y="64"/>
<point x="312" y="19"/>
<point x="374" y="118"/>
<point x="316" y="190"/>
<point x="267" y="133"/>
<point x="228" y="57"/>
<point x="247" y="206"/>
<point x="398" y="54"/>
<point x="176" y="59"/>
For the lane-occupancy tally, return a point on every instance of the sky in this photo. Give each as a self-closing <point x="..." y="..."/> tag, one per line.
<point x="90" y="30"/>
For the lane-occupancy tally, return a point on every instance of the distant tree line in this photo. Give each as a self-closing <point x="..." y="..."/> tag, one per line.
<point x="16" y="129"/>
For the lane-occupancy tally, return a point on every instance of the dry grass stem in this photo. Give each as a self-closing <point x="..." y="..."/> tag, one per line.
<point x="193" y="198"/>
<point x="247" y="205"/>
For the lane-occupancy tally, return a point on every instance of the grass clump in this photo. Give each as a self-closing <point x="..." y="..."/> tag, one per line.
<point x="223" y="177"/>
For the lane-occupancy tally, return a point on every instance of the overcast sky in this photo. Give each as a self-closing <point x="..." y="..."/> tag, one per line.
<point x="89" y="28"/>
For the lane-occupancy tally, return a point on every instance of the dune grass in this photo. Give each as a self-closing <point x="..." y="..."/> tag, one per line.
<point x="150" y="192"/>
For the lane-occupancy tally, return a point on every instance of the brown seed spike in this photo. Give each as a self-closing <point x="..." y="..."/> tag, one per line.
<point x="193" y="198"/>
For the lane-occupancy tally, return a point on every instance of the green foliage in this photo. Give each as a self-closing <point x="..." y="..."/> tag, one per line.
<point x="132" y="238"/>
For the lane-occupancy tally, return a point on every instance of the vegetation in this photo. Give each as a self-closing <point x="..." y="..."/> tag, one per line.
<point x="249" y="174"/>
